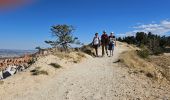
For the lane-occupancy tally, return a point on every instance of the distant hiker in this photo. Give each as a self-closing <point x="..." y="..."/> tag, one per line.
<point x="104" y="43"/>
<point x="112" y="43"/>
<point x="96" y="43"/>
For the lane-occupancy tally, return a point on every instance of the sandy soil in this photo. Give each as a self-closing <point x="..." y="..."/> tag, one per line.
<point x="92" y="79"/>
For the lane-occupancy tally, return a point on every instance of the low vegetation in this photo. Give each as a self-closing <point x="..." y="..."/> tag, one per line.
<point x="144" y="53"/>
<point x="55" y="65"/>
<point x="32" y="61"/>
<point x="37" y="71"/>
<point x="150" y="59"/>
<point x="147" y="67"/>
<point x="88" y="50"/>
<point x="71" y="57"/>
<point x="163" y="63"/>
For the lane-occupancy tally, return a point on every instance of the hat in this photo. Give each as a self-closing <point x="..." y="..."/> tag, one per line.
<point x="104" y="31"/>
<point x="96" y="33"/>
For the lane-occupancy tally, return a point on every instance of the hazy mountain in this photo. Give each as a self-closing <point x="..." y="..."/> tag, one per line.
<point x="14" y="53"/>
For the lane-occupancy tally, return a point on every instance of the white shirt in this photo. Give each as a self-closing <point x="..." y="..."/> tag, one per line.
<point x="96" y="40"/>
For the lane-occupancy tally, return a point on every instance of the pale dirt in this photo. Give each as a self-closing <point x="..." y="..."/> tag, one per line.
<point x="92" y="79"/>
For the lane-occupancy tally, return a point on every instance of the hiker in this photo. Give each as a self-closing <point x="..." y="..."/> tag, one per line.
<point x="104" y="43"/>
<point x="96" y="43"/>
<point x="112" y="43"/>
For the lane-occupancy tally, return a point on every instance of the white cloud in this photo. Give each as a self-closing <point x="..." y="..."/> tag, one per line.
<point x="147" y="26"/>
<point x="121" y="35"/>
<point x="156" y="28"/>
<point x="166" y="23"/>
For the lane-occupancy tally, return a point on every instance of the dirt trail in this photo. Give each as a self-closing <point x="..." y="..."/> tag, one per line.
<point x="93" y="79"/>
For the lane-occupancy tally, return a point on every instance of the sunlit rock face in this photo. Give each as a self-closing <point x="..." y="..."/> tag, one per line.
<point x="10" y="66"/>
<point x="24" y="59"/>
<point x="14" y="61"/>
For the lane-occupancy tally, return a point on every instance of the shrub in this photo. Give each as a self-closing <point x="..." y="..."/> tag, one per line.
<point x="32" y="61"/>
<point x="157" y="50"/>
<point x="149" y="75"/>
<point x="75" y="61"/>
<point x="142" y="46"/>
<point x="55" y="65"/>
<point x="81" y="55"/>
<point x="39" y="72"/>
<point x="88" y="50"/>
<point x="143" y="53"/>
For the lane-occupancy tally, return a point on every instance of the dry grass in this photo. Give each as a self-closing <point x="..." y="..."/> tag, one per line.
<point x="163" y="63"/>
<point x="62" y="55"/>
<point x="88" y="50"/>
<point x="79" y="57"/>
<point x="139" y="65"/>
<point x="74" y="57"/>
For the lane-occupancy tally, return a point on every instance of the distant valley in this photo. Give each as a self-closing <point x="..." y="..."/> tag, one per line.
<point x="14" y="53"/>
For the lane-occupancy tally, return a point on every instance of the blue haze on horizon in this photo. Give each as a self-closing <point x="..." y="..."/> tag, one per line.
<point x="28" y="26"/>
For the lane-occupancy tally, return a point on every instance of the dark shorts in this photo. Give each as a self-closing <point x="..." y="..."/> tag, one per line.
<point x="111" y="47"/>
<point x="95" y="46"/>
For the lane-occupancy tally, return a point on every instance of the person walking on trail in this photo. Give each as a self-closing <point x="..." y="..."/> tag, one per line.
<point x="96" y="43"/>
<point x="112" y="43"/>
<point x="104" y="43"/>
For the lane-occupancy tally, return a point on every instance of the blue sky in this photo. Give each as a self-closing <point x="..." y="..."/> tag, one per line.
<point x="28" y="26"/>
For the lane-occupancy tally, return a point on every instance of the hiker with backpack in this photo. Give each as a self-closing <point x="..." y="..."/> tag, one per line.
<point x="96" y="43"/>
<point x="104" y="43"/>
<point x="112" y="43"/>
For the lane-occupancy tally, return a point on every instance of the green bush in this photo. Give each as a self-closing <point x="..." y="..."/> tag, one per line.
<point x="142" y="46"/>
<point x="143" y="53"/>
<point x="157" y="50"/>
